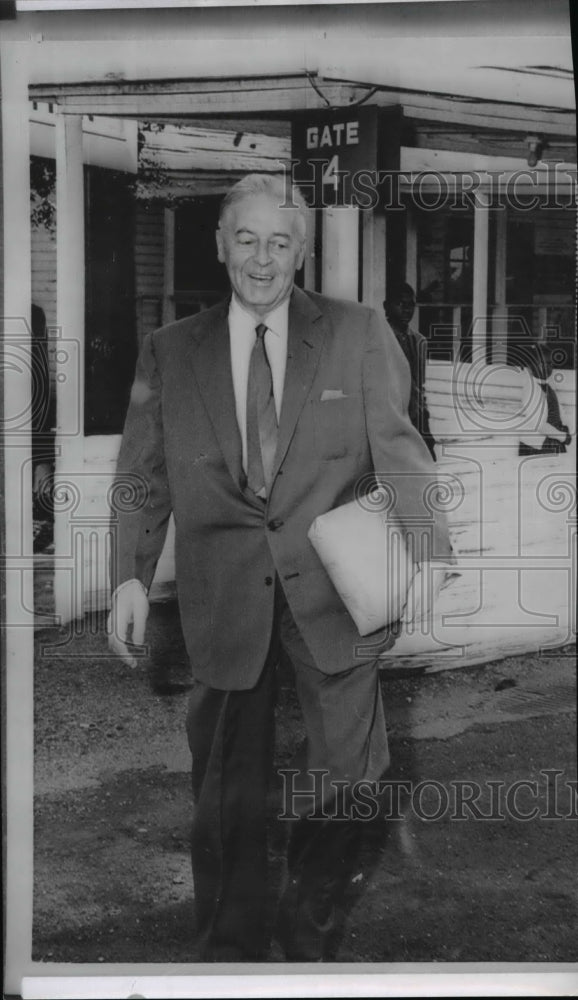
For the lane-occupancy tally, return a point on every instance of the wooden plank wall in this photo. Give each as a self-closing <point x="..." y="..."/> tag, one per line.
<point x="149" y="266"/>
<point x="43" y="256"/>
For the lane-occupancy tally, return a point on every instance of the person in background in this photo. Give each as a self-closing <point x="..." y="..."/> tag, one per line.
<point x="545" y="434"/>
<point x="399" y="309"/>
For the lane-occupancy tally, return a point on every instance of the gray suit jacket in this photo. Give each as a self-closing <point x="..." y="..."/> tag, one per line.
<point x="182" y="447"/>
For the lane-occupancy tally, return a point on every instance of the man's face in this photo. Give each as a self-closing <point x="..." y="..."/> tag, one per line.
<point x="402" y="310"/>
<point x="261" y="246"/>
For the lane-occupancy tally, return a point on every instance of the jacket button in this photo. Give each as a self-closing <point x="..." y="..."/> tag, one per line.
<point x="268" y="581"/>
<point x="275" y="524"/>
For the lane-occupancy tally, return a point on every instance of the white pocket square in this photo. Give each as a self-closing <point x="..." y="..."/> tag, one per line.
<point x="332" y="394"/>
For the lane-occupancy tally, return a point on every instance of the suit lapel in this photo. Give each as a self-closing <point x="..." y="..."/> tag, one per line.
<point x="212" y="369"/>
<point x="306" y="334"/>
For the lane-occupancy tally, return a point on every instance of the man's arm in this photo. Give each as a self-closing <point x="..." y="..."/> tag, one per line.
<point x="141" y="507"/>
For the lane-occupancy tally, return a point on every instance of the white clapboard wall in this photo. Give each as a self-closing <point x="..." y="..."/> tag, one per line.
<point x="512" y="524"/>
<point x="149" y="250"/>
<point x="43" y="283"/>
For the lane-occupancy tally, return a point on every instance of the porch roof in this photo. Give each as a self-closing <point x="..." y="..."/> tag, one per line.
<point x="281" y="95"/>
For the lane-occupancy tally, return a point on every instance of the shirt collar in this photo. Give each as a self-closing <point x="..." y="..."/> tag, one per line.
<point x="276" y="321"/>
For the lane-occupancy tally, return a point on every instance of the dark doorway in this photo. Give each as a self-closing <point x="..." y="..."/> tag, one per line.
<point x="200" y="280"/>
<point x="111" y="345"/>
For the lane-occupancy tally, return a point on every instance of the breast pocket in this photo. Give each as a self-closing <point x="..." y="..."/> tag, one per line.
<point x="337" y="427"/>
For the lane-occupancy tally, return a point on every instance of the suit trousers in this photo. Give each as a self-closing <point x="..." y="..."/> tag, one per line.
<point x="231" y="737"/>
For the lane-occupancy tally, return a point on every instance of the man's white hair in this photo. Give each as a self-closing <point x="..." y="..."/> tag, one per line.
<point x="286" y="194"/>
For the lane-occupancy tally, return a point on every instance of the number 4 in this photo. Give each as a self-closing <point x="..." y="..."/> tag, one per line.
<point x="331" y="172"/>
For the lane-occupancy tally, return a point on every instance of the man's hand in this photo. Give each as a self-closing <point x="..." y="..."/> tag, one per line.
<point x="130" y="606"/>
<point x="429" y="578"/>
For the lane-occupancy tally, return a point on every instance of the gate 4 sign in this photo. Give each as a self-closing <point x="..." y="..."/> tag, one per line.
<point x="337" y="153"/>
<point x="329" y="148"/>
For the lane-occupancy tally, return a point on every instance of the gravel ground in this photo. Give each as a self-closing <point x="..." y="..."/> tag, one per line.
<point x="113" y="811"/>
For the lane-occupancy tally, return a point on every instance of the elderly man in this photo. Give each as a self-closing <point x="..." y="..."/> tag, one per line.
<point x="247" y="421"/>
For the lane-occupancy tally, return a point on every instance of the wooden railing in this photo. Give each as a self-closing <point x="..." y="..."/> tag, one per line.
<point x="512" y="523"/>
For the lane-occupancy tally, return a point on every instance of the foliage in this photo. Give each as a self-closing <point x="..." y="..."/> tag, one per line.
<point x="42" y="193"/>
<point x="151" y="179"/>
<point x="151" y="182"/>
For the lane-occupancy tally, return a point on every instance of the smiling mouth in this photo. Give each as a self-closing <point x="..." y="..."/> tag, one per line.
<point x="262" y="279"/>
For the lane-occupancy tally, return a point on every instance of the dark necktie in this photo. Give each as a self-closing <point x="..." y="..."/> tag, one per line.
<point x="261" y="419"/>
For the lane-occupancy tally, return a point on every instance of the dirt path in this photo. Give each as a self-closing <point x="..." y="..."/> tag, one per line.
<point x="112" y="870"/>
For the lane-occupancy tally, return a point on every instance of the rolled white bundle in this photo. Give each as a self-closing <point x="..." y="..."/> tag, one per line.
<point x="367" y="558"/>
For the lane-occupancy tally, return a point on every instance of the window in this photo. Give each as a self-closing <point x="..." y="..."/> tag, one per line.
<point x="540" y="280"/>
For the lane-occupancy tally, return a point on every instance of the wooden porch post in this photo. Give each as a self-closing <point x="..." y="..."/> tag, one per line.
<point x="374" y="238"/>
<point x="340" y="270"/>
<point x="499" y="314"/>
<point x="411" y="249"/>
<point x="18" y="634"/>
<point x="70" y="292"/>
<point x="480" y="291"/>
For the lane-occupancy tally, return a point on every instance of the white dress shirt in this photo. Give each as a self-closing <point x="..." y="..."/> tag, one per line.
<point x="242" y="336"/>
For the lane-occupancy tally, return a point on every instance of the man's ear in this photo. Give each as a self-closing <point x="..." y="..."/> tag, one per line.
<point x="220" y="249"/>
<point x="301" y="257"/>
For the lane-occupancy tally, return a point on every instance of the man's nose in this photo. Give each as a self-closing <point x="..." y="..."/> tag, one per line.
<point x="262" y="253"/>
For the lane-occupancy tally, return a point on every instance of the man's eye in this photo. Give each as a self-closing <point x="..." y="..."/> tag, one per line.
<point x="245" y="241"/>
<point x="279" y="245"/>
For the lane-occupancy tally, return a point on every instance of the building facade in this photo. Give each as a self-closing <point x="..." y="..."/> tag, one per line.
<point x="475" y="209"/>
